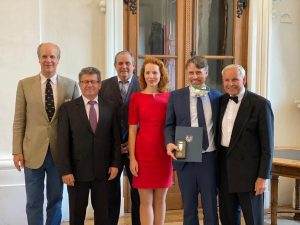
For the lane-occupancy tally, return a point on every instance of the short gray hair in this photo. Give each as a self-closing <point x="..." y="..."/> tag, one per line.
<point x="41" y="45"/>
<point x="125" y="52"/>
<point x="238" y="67"/>
<point x="90" y="70"/>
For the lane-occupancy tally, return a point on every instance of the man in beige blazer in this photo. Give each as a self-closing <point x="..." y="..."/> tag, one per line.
<point x="38" y="100"/>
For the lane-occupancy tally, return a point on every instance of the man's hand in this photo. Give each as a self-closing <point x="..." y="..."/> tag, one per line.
<point x="260" y="186"/>
<point x="18" y="161"/>
<point x="113" y="172"/>
<point x="68" y="179"/>
<point x="124" y="148"/>
<point x="170" y="150"/>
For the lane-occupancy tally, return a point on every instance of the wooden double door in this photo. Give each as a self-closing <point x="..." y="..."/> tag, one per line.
<point x="175" y="30"/>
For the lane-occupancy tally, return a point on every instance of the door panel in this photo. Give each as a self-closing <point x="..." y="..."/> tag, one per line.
<point x="173" y="30"/>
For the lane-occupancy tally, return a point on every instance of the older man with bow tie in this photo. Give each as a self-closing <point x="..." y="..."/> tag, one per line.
<point x="246" y="147"/>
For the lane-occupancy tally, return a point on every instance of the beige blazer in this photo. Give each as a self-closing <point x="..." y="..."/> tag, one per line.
<point x="32" y="131"/>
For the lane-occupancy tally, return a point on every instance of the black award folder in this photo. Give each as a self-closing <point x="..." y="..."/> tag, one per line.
<point x="192" y="136"/>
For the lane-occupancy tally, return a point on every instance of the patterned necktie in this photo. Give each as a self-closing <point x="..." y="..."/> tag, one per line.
<point x="93" y="115"/>
<point x="49" y="100"/>
<point x="202" y="123"/>
<point x="123" y="89"/>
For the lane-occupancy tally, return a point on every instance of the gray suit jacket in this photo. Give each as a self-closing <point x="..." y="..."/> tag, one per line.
<point x="32" y="131"/>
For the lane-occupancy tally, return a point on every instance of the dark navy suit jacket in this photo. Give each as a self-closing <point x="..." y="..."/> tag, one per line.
<point x="110" y="91"/>
<point x="178" y="114"/>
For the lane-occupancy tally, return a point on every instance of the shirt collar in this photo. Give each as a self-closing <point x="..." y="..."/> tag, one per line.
<point x="44" y="79"/>
<point x="241" y="94"/>
<point x="129" y="79"/>
<point x="86" y="100"/>
<point x="198" y="93"/>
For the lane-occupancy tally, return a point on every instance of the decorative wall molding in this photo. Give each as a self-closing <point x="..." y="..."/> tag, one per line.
<point x="114" y="34"/>
<point x="102" y="6"/>
<point x="132" y="5"/>
<point x="6" y="164"/>
<point x="241" y="5"/>
<point x="9" y="176"/>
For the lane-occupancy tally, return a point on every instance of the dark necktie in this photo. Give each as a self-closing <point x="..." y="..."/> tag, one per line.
<point x="234" y="98"/>
<point x="202" y="123"/>
<point x="123" y="89"/>
<point x="49" y="100"/>
<point x="93" y="115"/>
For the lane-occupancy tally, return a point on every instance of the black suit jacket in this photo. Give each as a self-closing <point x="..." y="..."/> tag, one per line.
<point x="252" y="142"/>
<point x="110" y="90"/>
<point x="82" y="153"/>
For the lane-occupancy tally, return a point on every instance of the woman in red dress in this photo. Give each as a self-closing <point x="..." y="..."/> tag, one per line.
<point x="150" y="165"/>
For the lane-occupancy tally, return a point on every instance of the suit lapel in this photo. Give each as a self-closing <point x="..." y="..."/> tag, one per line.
<point x="82" y="113"/>
<point x="214" y="108"/>
<point x="116" y="89"/>
<point x="60" y="94"/>
<point x="60" y="91"/>
<point x="37" y="87"/>
<point x="101" y="108"/>
<point x="240" y="120"/>
<point x="133" y="87"/>
<point x="223" y="106"/>
<point x="186" y="105"/>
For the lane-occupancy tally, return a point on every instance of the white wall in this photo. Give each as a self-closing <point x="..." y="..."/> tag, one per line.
<point x="284" y="81"/>
<point x="78" y="27"/>
<point x="273" y="67"/>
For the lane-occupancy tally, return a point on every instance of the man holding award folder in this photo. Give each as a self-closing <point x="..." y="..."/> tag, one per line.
<point x="190" y="107"/>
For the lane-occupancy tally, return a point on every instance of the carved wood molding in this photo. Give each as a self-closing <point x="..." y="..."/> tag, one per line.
<point x="241" y="5"/>
<point x="132" y="5"/>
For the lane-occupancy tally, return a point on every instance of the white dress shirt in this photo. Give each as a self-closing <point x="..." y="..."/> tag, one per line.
<point x="53" y="83"/>
<point x="229" y="118"/>
<point x="208" y="117"/>
<point x="126" y="84"/>
<point x="88" y="106"/>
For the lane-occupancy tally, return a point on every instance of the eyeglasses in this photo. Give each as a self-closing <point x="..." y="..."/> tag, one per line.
<point x="89" y="81"/>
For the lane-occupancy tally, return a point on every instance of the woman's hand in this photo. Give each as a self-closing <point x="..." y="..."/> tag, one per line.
<point x="134" y="167"/>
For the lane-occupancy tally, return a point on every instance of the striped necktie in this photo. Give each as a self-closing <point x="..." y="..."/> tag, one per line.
<point x="123" y="89"/>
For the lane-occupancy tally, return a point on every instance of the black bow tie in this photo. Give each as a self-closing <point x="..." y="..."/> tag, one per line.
<point x="234" y="98"/>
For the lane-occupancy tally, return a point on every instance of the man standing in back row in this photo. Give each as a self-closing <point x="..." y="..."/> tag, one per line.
<point x="118" y="90"/>
<point x="246" y="148"/>
<point x="35" y="134"/>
